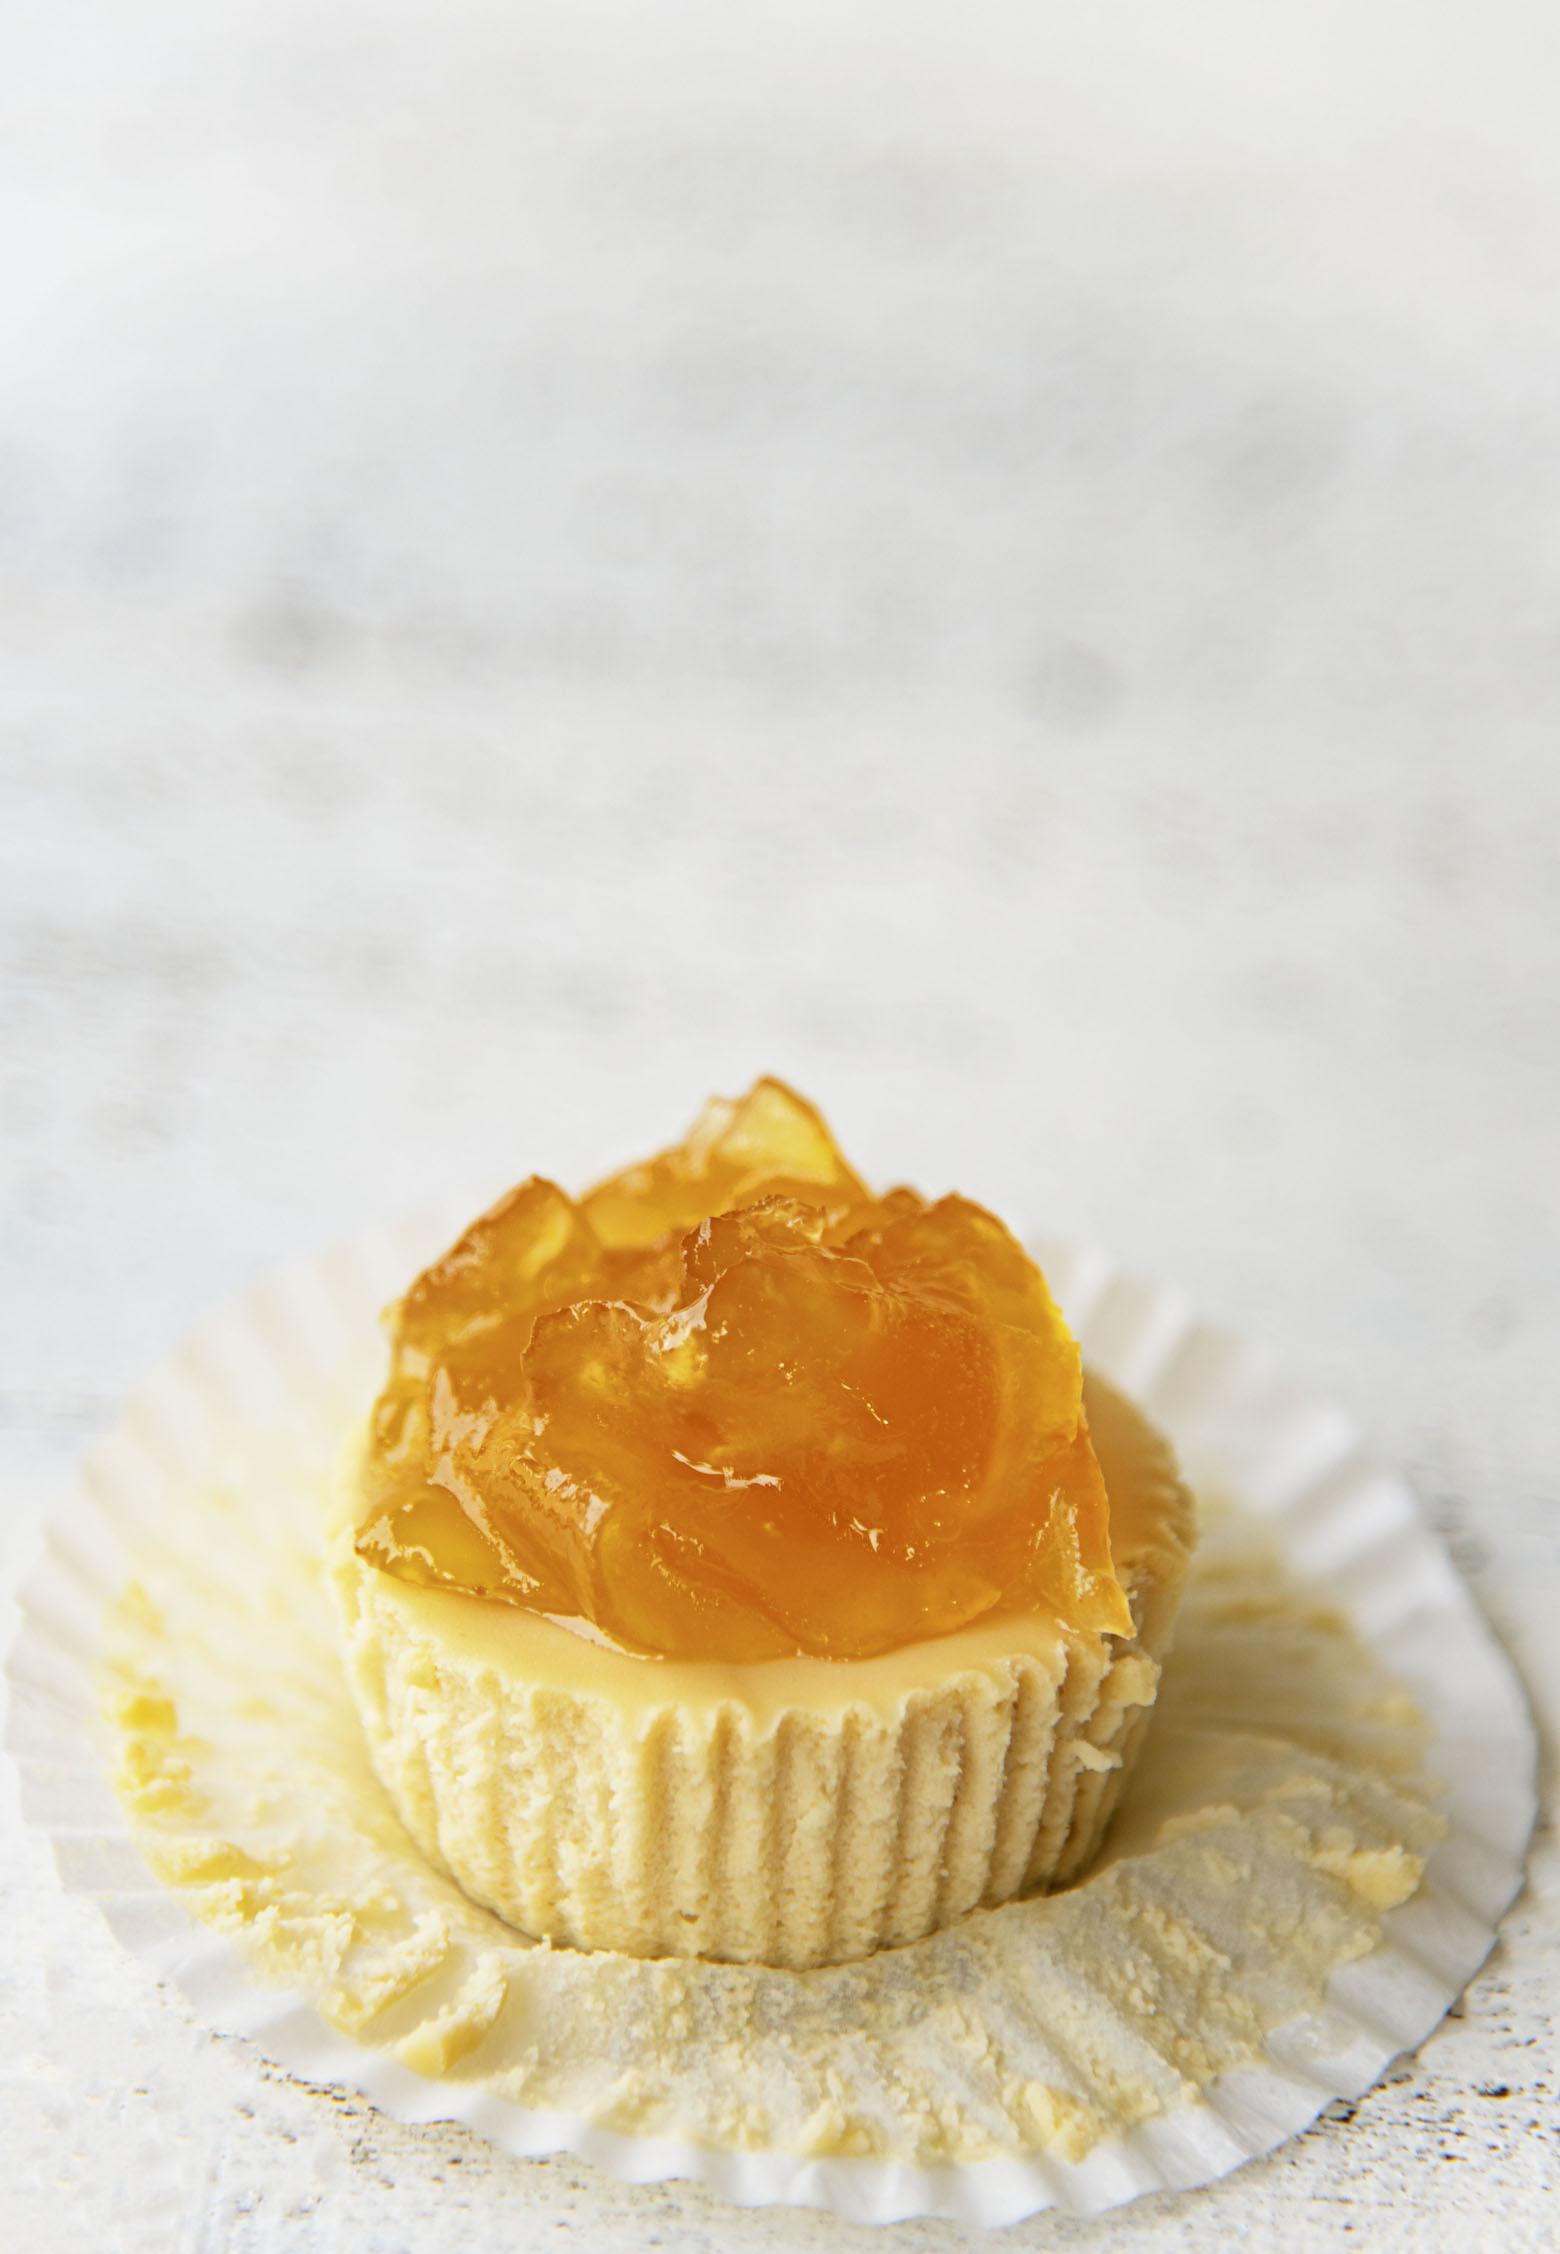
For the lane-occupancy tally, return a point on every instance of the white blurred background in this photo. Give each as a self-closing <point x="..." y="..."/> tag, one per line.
<point x="1001" y="562"/>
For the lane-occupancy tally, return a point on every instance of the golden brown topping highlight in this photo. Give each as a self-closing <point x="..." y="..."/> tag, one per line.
<point x="731" y="1406"/>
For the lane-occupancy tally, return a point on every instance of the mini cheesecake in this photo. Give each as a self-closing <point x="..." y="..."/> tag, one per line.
<point x="736" y="1564"/>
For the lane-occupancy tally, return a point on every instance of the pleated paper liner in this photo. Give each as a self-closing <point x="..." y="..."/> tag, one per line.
<point x="258" y="1403"/>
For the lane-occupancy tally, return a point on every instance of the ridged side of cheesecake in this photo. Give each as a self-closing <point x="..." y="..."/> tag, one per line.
<point x="796" y="1812"/>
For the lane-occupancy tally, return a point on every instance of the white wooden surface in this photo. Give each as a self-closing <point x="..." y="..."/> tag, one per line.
<point x="551" y="559"/>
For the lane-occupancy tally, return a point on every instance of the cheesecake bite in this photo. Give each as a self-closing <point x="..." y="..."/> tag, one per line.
<point x="737" y="1564"/>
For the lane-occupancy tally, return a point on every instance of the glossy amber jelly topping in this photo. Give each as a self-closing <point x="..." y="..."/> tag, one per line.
<point x="729" y="1405"/>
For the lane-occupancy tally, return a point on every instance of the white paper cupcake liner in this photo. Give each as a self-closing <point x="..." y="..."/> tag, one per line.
<point x="292" y="1365"/>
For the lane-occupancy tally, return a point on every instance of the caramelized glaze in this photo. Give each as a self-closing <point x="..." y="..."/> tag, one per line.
<point x="729" y="1405"/>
